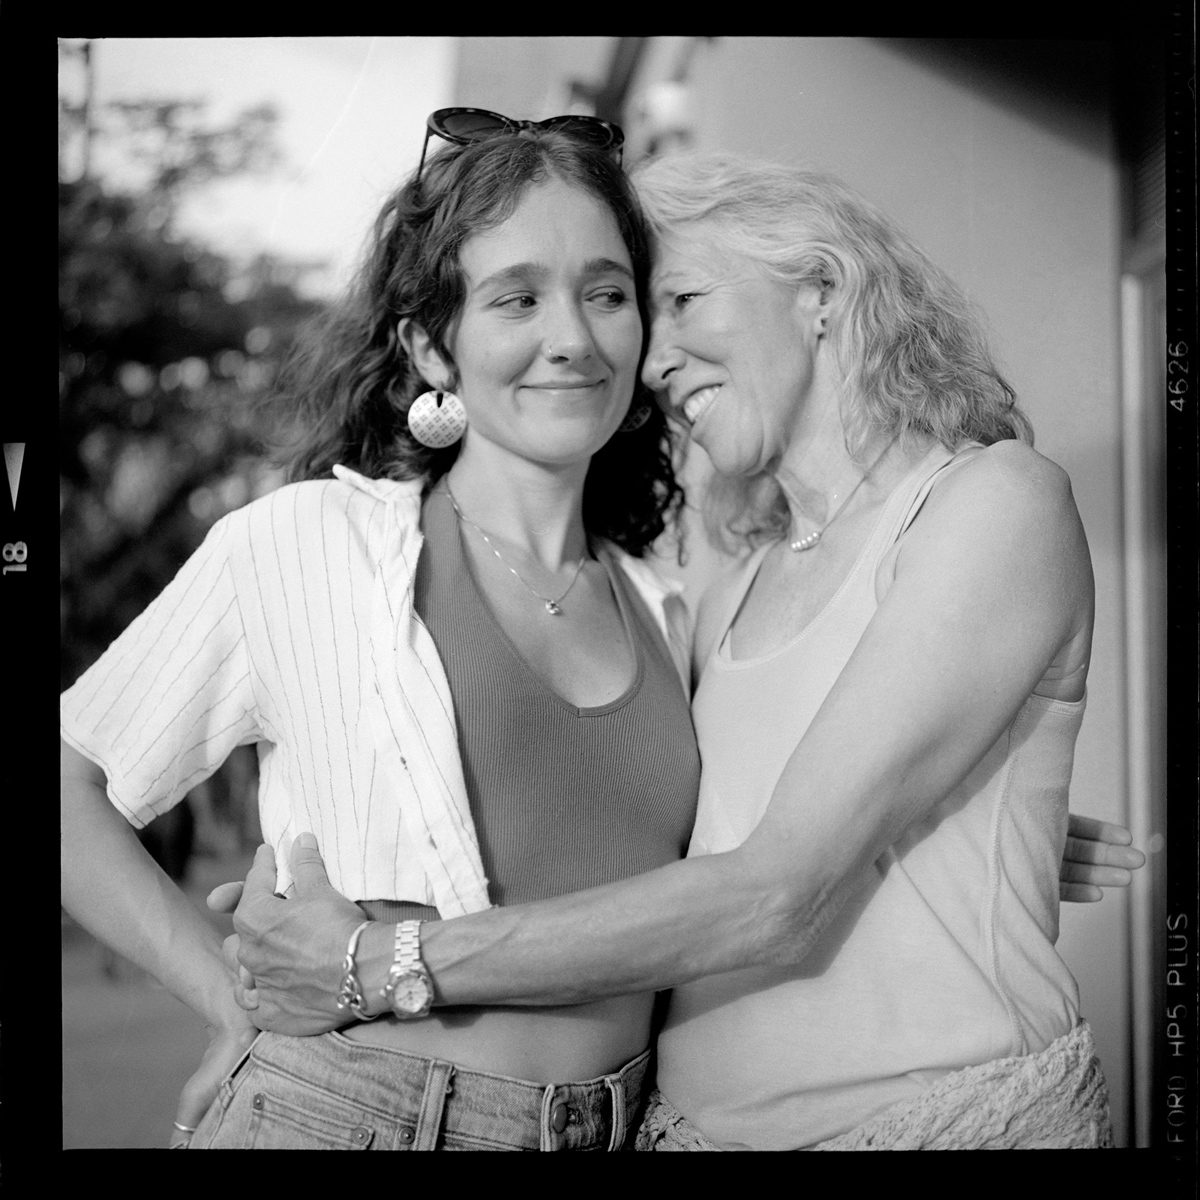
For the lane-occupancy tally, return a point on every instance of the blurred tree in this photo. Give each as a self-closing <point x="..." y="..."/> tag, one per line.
<point x="177" y="152"/>
<point x="167" y="352"/>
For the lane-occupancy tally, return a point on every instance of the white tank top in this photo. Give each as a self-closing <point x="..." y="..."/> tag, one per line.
<point x="944" y="960"/>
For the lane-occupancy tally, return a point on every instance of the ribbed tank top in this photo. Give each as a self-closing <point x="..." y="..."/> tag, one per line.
<point x="945" y="959"/>
<point x="562" y="797"/>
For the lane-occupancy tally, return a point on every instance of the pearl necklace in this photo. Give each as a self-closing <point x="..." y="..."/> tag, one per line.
<point x="553" y="607"/>
<point x="809" y="540"/>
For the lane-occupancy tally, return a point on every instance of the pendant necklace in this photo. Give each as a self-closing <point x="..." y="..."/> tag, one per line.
<point x="809" y="540"/>
<point x="553" y="607"/>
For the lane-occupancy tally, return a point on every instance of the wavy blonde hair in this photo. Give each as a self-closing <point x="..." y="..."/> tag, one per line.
<point x="909" y="347"/>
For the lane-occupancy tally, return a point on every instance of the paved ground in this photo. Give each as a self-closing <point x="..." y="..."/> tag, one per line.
<point x="128" y="1045"/>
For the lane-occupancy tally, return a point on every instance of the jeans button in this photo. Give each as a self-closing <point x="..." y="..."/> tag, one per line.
<point x="360" y="1135"/>
<point x="560" y="1116"/>
<point x="406" y="1135"/>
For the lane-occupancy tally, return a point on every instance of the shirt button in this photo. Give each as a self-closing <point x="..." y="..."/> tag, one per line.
<point x="560" y="1117"/>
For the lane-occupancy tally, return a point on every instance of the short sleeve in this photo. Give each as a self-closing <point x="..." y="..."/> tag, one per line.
<point x="168" y="701"/>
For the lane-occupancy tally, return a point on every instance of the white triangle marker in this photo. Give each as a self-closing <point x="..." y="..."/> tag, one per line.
<point x="14" y="454"/>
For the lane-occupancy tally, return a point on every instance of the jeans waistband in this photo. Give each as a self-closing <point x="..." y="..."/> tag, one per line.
<point x="431" y="1099"/>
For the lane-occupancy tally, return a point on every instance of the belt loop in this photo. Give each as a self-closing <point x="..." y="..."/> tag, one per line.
<point x="438" y="1081"/>
<point x="545" y="1135"/>
<point x="620" y="1116"/>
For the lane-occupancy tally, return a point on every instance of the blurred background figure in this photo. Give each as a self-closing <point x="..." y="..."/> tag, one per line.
<point x="211" y="197"/>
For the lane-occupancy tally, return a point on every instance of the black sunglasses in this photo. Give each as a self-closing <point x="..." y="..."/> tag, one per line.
<point x="463" y="126"/>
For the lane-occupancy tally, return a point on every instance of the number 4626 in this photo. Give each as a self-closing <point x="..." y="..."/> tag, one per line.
<point x="1177" y="370"/>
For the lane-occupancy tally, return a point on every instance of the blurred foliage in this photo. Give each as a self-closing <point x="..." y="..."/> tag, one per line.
<point x="168" y="352"/>
<point x="178" y="151"/>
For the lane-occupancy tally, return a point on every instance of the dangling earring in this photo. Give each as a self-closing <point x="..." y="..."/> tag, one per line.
<point x="437" y="419"/>
<point x="635" y="419"/>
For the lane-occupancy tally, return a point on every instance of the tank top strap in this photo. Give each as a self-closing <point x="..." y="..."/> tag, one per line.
<point x="897" y="508"/>
<point x="912" y="495"/>
<point x="899" y="511"/>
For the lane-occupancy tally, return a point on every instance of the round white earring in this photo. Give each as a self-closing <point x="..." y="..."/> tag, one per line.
<point x="437" y="419"/>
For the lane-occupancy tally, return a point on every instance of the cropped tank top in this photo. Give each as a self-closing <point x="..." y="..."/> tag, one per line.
<point x="562" y="797"/>
<point x="943" y="960"/>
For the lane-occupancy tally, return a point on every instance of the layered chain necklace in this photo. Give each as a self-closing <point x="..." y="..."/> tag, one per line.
<point x="552" y="606"/>
<point x="809" y="540"/>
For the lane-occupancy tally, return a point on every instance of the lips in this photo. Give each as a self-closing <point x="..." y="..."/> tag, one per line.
<point x="698" y="403"/>
<point x="565" y="386"/>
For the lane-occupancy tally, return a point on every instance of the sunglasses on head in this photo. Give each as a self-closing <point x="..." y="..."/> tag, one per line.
<point x="462" y="126"/>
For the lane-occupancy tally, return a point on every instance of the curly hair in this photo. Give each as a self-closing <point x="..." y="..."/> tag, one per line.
<point x="910" y="351"/>
<point x="350" y="384"/>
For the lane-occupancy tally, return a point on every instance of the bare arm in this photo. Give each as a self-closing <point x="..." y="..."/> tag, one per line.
<point x="117" y="892"/>
<point x="296" y="946"/>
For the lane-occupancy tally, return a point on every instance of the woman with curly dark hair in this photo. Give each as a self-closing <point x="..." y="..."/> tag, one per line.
<point x="458" y="671"/>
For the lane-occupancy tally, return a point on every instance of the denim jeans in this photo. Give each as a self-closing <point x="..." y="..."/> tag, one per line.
<point x="329" y="1093"/>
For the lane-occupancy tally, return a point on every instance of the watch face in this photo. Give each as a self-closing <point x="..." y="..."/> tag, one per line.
<point x="410" y="993"/>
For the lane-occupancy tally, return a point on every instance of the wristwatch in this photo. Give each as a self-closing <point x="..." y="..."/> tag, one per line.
<point x="408" y="990"/>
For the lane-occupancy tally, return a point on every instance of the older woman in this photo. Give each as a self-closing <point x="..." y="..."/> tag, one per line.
<point x="889" y="687"/>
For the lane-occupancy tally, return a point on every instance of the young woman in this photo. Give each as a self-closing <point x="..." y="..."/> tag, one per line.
<point x="430" y="649"/>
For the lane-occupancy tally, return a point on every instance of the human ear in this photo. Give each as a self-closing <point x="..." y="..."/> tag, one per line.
<point x="423" y="354"/>
<point x="814" y="303"/>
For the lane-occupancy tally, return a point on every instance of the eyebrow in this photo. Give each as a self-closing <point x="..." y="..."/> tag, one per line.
<point x="521" y="272"/>
<point x="663" y="283"/>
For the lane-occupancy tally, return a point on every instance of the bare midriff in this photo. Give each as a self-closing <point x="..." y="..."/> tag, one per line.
<point x="565" y="1044"/>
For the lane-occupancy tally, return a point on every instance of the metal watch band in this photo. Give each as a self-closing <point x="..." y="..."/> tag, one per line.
<point x="407" y="951"/>
<point x="408" y="990"/>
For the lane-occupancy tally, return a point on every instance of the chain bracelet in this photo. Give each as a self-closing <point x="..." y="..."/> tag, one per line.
<point x="350" y="994"/>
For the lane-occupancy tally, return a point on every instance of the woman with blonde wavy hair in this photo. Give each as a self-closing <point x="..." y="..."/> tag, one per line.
<point x="888" y="685"/>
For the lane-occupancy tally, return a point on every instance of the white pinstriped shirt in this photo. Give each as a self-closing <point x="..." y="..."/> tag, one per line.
<point x="292" y="627"/>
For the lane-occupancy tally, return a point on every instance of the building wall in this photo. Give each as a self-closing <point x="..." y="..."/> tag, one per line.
<point x="1013" y="187"/>
<point x="528" y="77"/>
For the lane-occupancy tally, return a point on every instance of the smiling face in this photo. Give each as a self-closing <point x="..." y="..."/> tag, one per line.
<point x="732" y="350"/>
<point x="548" y="340"/>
